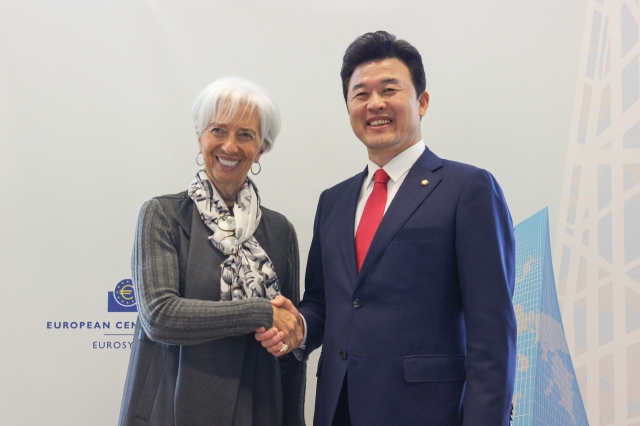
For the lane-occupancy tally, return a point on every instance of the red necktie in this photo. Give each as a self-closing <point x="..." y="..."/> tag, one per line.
<point x="371" y="216"/>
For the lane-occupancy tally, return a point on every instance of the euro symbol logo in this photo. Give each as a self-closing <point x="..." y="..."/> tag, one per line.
<point x="124" y="294"/>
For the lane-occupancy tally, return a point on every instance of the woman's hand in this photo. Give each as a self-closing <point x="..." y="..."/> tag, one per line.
<point x="287" y="328"/>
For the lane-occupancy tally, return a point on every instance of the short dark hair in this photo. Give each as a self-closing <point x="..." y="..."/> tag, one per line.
<point x="382" y="45"/>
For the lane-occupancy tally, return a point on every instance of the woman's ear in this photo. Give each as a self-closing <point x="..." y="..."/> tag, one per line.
<point x="258" y="155"/>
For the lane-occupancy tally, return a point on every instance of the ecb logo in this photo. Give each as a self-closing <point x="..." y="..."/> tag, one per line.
<point x="122" y="298"/>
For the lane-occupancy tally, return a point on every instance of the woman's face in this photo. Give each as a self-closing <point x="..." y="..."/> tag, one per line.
<point x="229" y="150"/>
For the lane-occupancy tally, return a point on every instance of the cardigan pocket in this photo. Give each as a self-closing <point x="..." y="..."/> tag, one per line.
<point x="151" y="383"/>
<point x="434" y="368"/>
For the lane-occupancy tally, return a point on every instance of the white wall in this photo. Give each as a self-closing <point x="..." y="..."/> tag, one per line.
<point x="95" y="101"/>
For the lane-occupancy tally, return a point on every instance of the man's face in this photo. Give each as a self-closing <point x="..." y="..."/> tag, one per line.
<point x="384" y="109"/>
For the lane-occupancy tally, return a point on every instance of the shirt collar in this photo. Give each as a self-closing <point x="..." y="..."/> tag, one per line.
<point x="399" y="165"/>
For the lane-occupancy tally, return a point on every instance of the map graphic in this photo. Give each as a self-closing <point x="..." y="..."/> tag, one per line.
<point x="546" y="390"/>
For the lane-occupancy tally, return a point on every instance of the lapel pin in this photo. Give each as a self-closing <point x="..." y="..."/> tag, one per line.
<point x="425" y="182"/>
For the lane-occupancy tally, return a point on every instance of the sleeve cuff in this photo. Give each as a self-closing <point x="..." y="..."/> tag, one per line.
<point x="299" y="351"/>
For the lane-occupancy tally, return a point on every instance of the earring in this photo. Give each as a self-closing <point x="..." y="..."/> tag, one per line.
<point x="199" y="164"/>
<point x="259" y="170"/>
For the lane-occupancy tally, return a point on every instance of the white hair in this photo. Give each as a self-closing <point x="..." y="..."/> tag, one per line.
<point x="220" y="101"/>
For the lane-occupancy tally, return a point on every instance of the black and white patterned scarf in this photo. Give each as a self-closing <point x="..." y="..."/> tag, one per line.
<point x="248" y="271"/>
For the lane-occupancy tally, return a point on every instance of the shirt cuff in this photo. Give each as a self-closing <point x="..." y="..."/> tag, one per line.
<point x="299" y="351"/>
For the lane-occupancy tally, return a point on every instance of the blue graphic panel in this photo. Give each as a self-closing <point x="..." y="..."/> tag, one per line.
<point x="546" y="390"/>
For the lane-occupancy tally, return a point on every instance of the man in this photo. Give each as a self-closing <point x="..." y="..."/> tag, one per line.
<point x="411" y="268"/>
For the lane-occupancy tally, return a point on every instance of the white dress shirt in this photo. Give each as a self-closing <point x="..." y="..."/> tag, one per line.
<point x="397" y="169"/>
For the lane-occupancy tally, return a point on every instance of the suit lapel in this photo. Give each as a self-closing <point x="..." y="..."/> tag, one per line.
<point x="409" y="197"/>
<point x="345" y="225"/>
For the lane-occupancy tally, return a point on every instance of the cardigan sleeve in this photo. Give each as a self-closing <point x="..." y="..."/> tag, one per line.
<point x="294" y="373"/>
<point x="165" y="316"/>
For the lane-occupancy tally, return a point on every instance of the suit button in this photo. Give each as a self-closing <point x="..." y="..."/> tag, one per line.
<point x="357" y="303"/>
<point x="343" y="354"/>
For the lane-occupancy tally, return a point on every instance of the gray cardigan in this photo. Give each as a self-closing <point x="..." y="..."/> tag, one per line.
<point x="194" y="359"/>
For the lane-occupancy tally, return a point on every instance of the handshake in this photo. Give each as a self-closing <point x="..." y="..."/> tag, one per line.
<point x="287" y="330"/>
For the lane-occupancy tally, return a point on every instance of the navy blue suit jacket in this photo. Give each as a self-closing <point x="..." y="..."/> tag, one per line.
<point x="427" y="329"/>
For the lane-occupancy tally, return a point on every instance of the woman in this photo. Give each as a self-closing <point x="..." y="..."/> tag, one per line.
<point x="206" y="263"/>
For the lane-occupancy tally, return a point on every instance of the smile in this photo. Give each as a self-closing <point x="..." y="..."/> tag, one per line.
<point x="379" y="122"/>
<point x="227" y="163"/>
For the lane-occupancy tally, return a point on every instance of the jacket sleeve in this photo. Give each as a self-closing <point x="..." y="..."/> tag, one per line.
<point x="294" y="373"/>
<point x="485" y="250"/>
<point x="165" y="316"/>
<point x="313" y="304"/>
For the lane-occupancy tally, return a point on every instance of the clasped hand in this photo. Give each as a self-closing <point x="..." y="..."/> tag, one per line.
<point x="287" y="328"/>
